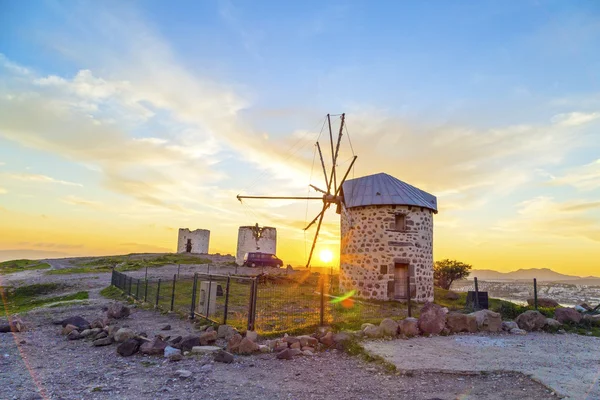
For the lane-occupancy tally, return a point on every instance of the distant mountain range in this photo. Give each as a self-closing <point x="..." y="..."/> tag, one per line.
<point x="541" y="274"/>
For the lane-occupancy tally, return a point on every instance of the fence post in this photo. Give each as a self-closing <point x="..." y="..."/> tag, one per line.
<point x="137" y="290"/>
<point x="251" y="306"/>
<point x="112" y="278"/>
<point x="173" y="292"/>
<point x="476" y="294"/>
<point x="157" y="293"/>
<point x="129" y="286"/>
<point x="193" y="305"/>
<point x="146" y="292"/>
<point x="226" y="300"/>
<point x="408" y="300"/>
<point x="322" y="315"/>
<point x="535" y="299"/>
<point x="146" y="276"/>
<point x="208" y="298"/>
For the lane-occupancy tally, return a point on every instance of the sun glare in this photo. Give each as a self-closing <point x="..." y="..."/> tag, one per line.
<point x="326" y="255"/>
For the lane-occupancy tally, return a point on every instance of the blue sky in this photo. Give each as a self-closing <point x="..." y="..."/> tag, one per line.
<point x="132" y="119"/>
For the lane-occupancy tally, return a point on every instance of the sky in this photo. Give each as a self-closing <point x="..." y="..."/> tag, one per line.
<point x="121" y="122"/>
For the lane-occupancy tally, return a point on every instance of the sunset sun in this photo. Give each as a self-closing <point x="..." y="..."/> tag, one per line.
<point x="326" y="255"/>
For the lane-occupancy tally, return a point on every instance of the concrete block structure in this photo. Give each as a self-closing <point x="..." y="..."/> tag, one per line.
<point x="193" y="241"/>
<point x="386" y="237"/>
<point x="255" y="239"/>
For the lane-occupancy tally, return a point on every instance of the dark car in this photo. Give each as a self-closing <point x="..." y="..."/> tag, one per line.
<point x="261" y="260"/>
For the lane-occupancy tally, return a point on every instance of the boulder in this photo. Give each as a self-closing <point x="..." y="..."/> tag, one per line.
<point x="117" y="311"/>
<point x="252" y="335"/>
<point x="68" y="329"/>
<point x="551" y="322"/>
<point x="247" y="346"/>
<point x="226" y="332"/>
<point x="457" y="322"/>
<point x="15" y="325"/>
<point x="327" y="340"/>
<point x="586" y="307"/>
<point x="176" y="357"/>
<point x="166" y="328"/>
<point x="176" y="340"/>
<point x="564" y="315"/>
<point x="517" y="331"/>
<point x="373" y="332"/>
<point x="508" y="325"/>
<point x="102" y="335"/>
<point x="98" y="323"/>
<point x="305" y="348"/>
<point x="86" y="333"/>
<point x="205" y="349"/>
<point x="295" y="352"/>
<point x="80" y="322"/>
<point x="308" y="353"/>
<point x="208" y="337"/>
<point x="295" y="345"/>
<point x="103" y="342"/>
<point x="488" y="321"/>
<point x="223" y="357"/>
<point x="594" y="319"/>
<point x="339" y="338"/>
<point x="263" y="348"/>
<point x="409" y="327"/>
<point x="74" y="335"/>
<point x="389" y="327"/>
<point x="531" y="321"/>
<point x="306" y="340"/>
<point x="543" y="302"/>
<point x="290" y="339"/>
<point x="451" y="296"/>
<point x="155" y="347"/>
<point x="365" y="326"/>
<point x="170" y="351"/>
<point x="129" y="347"/>
<point x="234" y="343"/>
<point x="285" y="354"/>
<point x="188" y="342"/>
<point x="432" y="319"/>
<point x="124" y="334"/>
<point x="183" y="374"/>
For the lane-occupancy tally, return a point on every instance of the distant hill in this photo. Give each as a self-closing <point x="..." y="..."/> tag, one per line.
<point x="541" y="274"/>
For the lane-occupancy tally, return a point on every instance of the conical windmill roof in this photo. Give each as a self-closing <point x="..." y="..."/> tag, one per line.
<point x="384" y="189"/>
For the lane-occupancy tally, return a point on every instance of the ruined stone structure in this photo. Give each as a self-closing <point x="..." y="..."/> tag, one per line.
<point x="386" y="237"/>
<point x="255" y="238"/>
<point x="193" y="241"/>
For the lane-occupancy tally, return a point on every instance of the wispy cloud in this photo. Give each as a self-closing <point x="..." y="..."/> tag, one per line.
<point x="3" y="191"/>
<point x="575" y="118"/>
<point x="39" y="178"/>
<point x="78" y="201"/>
<point x="584" y="177"/>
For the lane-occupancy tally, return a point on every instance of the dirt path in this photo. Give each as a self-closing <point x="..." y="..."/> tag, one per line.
<point x="570" y="364"/>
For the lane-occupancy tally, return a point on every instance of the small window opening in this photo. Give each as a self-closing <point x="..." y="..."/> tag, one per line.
<point x="400" y="222"/>
<point x="383" y="269"/>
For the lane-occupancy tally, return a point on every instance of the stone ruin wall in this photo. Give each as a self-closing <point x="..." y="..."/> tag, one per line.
<point x="370" y="243"/>
<point x="200" y="240"/>
<point x="255" y="239"/>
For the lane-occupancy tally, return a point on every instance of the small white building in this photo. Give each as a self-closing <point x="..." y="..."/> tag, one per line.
<point x="386" y="237"/>
<point x="193" y="241"/>
<point x="255" y="239"/>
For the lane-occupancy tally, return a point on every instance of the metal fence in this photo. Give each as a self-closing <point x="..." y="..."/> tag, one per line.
<point x="267" y="303"/>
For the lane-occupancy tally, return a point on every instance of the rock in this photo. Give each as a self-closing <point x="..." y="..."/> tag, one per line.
<point x="306" y="340"/>
<point x="373" y="332"/>
<point x="188" y="342"/>
<point x="223" y="357"/>
<point x="564" y="315"/>
<point x="124" y="334"/>
<point x="117" y="311"/>
<point x="409" y="327"/>
<point x="543" y="302"/>
<point x="263" y="348"/>
<point x="234" y="343"/>
<point x="183" y="373"/>
<point x="458" y="322"/>
<point x="451" y="296"/>
<point x="307" y="353"/>
<point x="252" y="335"/>
<point x="128" y="348"/>
<point x="586" y="307"/>
<point x="488" y="321"/>
<point x="295" y="345"/>
<point x="15" y="325"/>
<point x="98" y="323"/>
<point x="102" y="335"/>
<point x="166" y="328"/>
<point x="508" y="325"/>
<point x="285" y="354"/>
<point x="594" y="319"/>
<point x="531" y="321"/>
<point x="226" y="332"/>
<point x="80" y="322"/>
<point x="169" y="351"/>
<point x="74" y="335"/>
<point x="339" y="338"/>
<point x="103" y="341"/>
<point x="432" y="319"/>
<point x="176" y="357"/>
<point x="365" y="326"/>
<point x="279" y="348"/>
<point x="517" y="331"/>
<point x="291" y="339"/>
<point x="208" y="337"/>
<point x="68" y="329"/>
<point x="389" y="327"/>
<point x="295" y="352"/>
<point x="176" y="340"/>
<point x="205" y="349"/>
<point x="86" y="333"/>
<point x="327" y="339"/>
<point x="551" y="322"/>
<point x="155" y="347"/>
<point x="247" y="346"/>
<point x="308" y="348"/>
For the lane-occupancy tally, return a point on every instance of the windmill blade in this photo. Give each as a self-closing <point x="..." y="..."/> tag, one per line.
<point x="318" y="189"/>
<point x="325" y="207"/>
<point x="337" y="192"/>
<point x="323" y="164"/>
<point x="337" y="150"/>
<point x="312" y="249"/>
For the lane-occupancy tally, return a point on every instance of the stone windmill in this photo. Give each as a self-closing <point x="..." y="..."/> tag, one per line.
<point x="331" y="195"/>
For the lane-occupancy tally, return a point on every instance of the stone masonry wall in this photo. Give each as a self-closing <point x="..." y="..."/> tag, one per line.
<point x="200" y="240"/>
<point x="370" y="247"/>
<point x="255" y="238"/>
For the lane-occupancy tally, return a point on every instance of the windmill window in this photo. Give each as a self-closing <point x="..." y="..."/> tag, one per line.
<point x="400" y="222"/>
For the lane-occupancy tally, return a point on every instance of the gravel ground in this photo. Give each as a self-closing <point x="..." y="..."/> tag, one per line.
<point x="570" y="364"/>
<point x="40" y="363"/>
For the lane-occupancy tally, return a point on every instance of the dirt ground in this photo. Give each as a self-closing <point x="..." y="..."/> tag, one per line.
<point x="570" y="364"/>
<point x="42" y="364"/>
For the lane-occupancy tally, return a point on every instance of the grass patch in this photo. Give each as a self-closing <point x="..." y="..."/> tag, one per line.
<point x="355" y="349"/>
<point x="25" y="298"/>
<point x="113" y="293"/>
<point x="9" y="267"/>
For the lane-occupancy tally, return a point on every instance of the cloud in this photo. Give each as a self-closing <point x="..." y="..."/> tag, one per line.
<point x="39" y="178"/>
<point x="575" y="118"/>
<point x="3" y="191"/>
<point x="584" y="177"/>
<point x="78" y="201"/>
